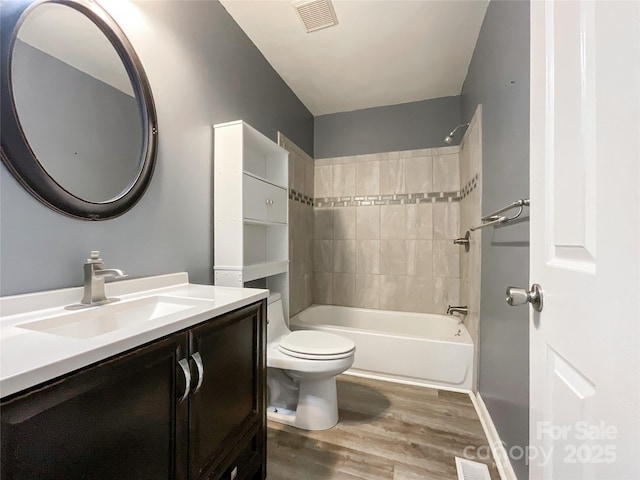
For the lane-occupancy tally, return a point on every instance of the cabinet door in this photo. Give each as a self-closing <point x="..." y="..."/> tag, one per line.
<point x="115" y="420"/>
<point x="230" y="401"/>
<point x="263" y="201"/>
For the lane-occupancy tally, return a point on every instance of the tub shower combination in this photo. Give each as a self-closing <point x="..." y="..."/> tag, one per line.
<point x="417" y="348"/>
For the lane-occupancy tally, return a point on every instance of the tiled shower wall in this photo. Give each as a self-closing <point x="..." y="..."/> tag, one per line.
<point x="384" y="230"/>
<point x="470" y="213"/>
<point x="301" y="172"/>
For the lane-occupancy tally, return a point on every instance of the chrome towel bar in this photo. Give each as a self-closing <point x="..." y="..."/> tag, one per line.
<point x="495" y="217"/>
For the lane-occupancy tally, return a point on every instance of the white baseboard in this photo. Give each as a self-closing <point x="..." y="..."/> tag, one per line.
<point x="497" y="448"/>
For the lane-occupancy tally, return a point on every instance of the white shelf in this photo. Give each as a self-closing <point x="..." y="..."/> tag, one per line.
<point x="258" y="177"/>
<point x="263" y="270"/>
<point x="262" y="223"/>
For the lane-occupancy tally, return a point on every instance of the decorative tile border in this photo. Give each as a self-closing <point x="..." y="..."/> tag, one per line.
<point x="470" y="186"/>
<point x="396" y="199"/>
<point x="300" y="197"/>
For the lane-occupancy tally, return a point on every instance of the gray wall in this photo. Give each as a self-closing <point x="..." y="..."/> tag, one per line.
<point x="498" y="78"/>
<point x="203" y="70"/>
<point x="407" y="126"/>
<point x="87" y="134"/>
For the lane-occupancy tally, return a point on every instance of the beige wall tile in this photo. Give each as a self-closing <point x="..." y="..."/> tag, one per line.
<point x="464" y="292"/>
<point x="446" y="220"/>
<point x="420" y="257"/>
<point x="301" y="230"/>
<point x="323" y="181"/>
<point x="323" y="223"/>
<point x="296" y="295"/>
<point x="292" y="216"/>
<point x="386" y="256"/>
<point x="344" y="180"/>
<point x="291" y="242"/>
<point x="419" y="175"/>
<point x="465" y="258"/>
<point x="419" y="219"/>
<point x="393" y="257"/>
<point x="308" y="222"/>
<point x="297" y="262"/>
<point x="419" y="295"/>
<point x="323" y="255"/>
<point x="368" y="223"/>
<point x="368" y="178"/>
<point x="392" y="292"/>
<point x="309" y="169"/>
<point x="308" y="289"/>
<point x="323" y="288"/>
<point x="291" y="173"/>
<point x="392" y="176"/>
<point x="344" y="256"/>
<point x="367" y="256"/>
<point x="367" y="291"/>
<point x="299" y="175"/>
<point x="344" y="289"/>
<point x="465" y="165"/>
<point x="392" y="222"/>
<point x="446" y="150"/>
<point x="445" y="292"/>
<point x="470" y="213"/>
<point x="344" y="223"/>
<point x="446" y="259"/>
<point x="309" y="259"/>
<point x="446" y="173"/>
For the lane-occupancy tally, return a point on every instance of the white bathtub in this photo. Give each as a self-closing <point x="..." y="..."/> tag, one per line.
<point x="416" y="348"/>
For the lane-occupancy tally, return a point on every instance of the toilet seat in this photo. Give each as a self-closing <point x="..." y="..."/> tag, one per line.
<point x="315" y="345"/>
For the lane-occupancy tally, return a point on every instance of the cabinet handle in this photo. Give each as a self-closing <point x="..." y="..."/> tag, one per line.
<point x="200" y="367"/>
<point x="186" y="371"/>
<point x="269" y="202"/>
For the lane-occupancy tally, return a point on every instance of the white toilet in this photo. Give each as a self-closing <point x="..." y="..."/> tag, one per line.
<point x="301" y="372"/>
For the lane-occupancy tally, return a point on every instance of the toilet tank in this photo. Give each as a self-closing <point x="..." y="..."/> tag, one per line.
<point x="276" y="324"/>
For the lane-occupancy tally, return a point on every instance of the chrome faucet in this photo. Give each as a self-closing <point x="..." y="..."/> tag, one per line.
<point x="94" y="275"/>
<point x="463" y="310"/>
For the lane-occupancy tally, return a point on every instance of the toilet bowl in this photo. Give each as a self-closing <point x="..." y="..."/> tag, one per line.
<point x="301" y="372"/>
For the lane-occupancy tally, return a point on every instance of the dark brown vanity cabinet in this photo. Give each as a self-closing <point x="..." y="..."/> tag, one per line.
<point x="124" y="418"/>
<point x="108" y="421"/>
<point x="227" y="414"/>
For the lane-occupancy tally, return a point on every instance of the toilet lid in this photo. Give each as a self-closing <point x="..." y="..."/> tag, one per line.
<point x="316" y="345"/>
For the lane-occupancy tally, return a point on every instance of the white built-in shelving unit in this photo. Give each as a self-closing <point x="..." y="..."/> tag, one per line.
<point x="251" y="232"/>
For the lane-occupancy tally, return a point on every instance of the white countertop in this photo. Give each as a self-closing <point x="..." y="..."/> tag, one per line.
<point x="28" y="357"/>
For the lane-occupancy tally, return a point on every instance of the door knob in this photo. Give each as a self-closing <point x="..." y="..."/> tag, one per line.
<point x="519" y="296"/>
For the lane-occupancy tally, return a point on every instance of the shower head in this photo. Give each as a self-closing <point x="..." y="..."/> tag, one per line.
<point x="449" y="138"/>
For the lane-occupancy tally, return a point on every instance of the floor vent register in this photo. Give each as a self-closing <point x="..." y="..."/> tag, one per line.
<point x="470" y="470"/>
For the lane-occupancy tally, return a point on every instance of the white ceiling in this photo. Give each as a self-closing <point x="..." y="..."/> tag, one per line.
<point x="382" y="52"/>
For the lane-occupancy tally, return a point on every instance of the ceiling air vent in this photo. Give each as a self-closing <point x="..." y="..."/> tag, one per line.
<point x="316" y="14"/>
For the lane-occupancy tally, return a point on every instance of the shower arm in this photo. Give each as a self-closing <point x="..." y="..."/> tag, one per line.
<point x="449" y="138"/>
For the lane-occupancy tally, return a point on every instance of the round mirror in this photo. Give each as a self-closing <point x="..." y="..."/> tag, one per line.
<point x="79" y="132"/>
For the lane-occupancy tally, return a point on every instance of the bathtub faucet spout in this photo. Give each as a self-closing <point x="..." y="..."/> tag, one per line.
<point x="462" y="309"/>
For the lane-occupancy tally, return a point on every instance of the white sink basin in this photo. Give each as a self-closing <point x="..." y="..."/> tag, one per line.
<point x="96" y="321"/>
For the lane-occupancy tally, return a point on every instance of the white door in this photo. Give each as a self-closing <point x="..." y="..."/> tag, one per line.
<point x="585" y="240"/>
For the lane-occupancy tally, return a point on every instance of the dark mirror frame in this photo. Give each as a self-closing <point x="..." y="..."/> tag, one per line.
<point x="15" y="151"/>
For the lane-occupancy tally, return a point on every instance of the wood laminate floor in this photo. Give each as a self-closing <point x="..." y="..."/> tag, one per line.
<point x="386" y="431"/>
